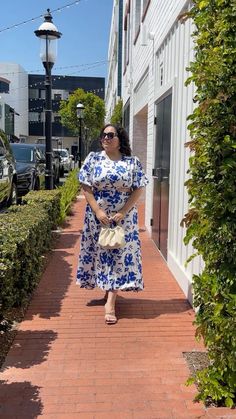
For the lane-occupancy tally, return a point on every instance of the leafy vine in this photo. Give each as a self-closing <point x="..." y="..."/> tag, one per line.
<point x="211" y="220"/>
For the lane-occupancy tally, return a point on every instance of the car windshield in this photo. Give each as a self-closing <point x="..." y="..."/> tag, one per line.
<point x="23" y="154"/>
<point x="63" y="153"/>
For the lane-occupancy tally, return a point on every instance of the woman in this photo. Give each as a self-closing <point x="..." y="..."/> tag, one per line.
<point x="112" y="181"/>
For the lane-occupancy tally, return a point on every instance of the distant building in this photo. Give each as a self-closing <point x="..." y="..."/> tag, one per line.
<point x="14" y="92"/>
<point x="22" y="100"/>
<point x="6" y="118"/>
<point x="62" y="87"/>
<point x="2" y="114"/>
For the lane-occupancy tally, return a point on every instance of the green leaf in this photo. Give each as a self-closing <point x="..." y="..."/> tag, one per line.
<point x="211" y="220"/>
<point x="203" y="4"/>
<point x="218" y="308"/>
<point x="229" y="402"/>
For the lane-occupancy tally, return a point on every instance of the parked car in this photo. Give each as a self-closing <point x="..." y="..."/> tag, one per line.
<point x="8" y="176"/>
<point x="61" y="165"/>
<point x="30" y="167"/>
<point x="55" y="162"/>
<point x="66" y="160"/>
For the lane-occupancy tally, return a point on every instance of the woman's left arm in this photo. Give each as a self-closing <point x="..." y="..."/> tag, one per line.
<point x="135" y="195"/>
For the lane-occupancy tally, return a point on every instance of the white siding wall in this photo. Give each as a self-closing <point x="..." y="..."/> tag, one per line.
<point x="140" y="136"/>
<point x="174" y="55"/>
<point x="140" y="139"/>
<point x="164" y="42"/>
<point x="111" y="96"/>
<point x="111" y="85"/>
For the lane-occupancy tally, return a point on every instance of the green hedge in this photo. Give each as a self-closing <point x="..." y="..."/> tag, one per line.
<point x="211" y="220"/>
<point x="25" y="235"/>
<point x="69" y="191"/>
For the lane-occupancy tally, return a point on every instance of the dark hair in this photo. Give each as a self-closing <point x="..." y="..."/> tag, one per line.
<point x="122" y="134"/>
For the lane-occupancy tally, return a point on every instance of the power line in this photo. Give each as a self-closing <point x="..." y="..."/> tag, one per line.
<point x="55" y="68"/>
<point x="41" y="109"/>
<point x="42" y="83"/>
<point x="59" y="9"/>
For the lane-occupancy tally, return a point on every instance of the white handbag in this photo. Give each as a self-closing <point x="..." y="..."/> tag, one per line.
<point x="112" y="238"/>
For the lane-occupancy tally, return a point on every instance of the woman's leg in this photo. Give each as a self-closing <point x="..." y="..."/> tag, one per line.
<point x="110" y="316"/>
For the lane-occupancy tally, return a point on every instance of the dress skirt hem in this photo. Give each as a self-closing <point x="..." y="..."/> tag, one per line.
<point x="126" y="289"/>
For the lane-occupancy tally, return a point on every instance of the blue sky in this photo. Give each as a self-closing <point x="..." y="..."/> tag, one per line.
<point x="85" y="31"/>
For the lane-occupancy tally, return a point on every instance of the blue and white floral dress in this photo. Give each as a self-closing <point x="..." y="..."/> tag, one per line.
<point x="113" y="269"/>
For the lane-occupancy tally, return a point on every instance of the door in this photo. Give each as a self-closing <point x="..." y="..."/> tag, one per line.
<point x="161" y="173"/>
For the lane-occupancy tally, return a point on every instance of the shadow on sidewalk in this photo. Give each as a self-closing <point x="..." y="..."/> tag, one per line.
<point x="19" y="400"/>
<point x="66" y="224"/>
<point x="29" y="348"/>
<point x="150" y="309"/>
<point x="67" y="240"/>
<point x="53" y="287"/>
<point x="145" y="308"/>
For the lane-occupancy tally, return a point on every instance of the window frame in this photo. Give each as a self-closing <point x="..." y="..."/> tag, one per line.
<point x="145" y="9"/>
<point x="127" y="36"/>
<point x="137" y="20"/>
<point x="2" y="147"/>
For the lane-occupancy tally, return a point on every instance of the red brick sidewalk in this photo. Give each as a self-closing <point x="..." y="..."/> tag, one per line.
<point x="66" y="363"/>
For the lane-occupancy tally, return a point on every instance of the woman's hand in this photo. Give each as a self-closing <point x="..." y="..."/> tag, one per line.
<point x="118" y="216"/>
<point x="102" y="217"/>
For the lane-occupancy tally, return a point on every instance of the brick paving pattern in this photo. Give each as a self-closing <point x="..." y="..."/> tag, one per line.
<point x="65" y="362"/>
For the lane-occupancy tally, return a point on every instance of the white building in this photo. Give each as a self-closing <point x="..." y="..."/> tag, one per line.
<point x="17" y="96"/>
<point x="114" y="76"/>
<point x="2" y="114"/>
<point x="157" y="48"/>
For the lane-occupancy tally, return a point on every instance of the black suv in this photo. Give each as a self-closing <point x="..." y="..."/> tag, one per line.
<point x="8" y="177"/>
<point x="30" y="167"/>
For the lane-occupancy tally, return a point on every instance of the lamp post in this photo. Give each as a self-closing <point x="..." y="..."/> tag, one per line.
<point x="80" y="116"/>
<point x="86" y="129"/>
<point x="48" y="34"/>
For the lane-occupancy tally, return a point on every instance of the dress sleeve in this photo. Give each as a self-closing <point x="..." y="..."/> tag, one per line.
<point x="139" y="178"/>
<point x="86" y="171"/>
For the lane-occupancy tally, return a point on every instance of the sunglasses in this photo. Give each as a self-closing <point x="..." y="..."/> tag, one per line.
<point x="108" y="135"/>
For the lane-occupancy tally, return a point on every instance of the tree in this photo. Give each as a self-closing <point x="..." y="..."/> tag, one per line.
<point x="94" y="114"/>
<point x="116" y="117"/>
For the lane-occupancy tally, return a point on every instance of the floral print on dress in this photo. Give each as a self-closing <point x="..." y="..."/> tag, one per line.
<point x="113" y="269"/>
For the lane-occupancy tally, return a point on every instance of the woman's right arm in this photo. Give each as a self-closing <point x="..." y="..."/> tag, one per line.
<point x="89" y="196"/>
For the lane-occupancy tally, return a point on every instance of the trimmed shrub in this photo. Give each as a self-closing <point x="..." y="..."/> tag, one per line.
<point x="50" y="200"/>
<point x="25" y="236"/>
<point x="69" y="191"/>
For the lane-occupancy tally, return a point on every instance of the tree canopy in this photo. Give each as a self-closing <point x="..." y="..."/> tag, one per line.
<point x="94" y="113"/>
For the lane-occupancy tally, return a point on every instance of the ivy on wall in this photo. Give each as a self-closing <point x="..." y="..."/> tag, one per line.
<point x="211" y="220"/>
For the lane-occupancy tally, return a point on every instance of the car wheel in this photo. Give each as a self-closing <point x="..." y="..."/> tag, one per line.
<point x="36" y="184"/>
<point x="13" y="199"/>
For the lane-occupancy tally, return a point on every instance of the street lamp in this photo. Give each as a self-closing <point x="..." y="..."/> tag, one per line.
<point x="48" y="34"/>
<point x="80" y="116"/>
<point x="86" y="130"/>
